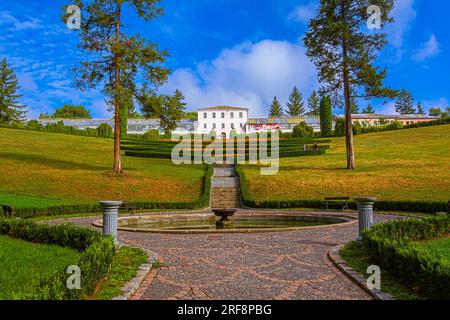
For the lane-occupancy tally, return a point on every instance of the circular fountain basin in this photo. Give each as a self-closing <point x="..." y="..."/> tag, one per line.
<point x="240" y="223"/>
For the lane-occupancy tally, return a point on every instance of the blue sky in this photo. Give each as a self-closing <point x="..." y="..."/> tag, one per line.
<point x="234" y="52"/>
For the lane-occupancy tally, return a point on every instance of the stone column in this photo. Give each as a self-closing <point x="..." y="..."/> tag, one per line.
<point x="365" y="214"/>
<point x="110" y="215"/>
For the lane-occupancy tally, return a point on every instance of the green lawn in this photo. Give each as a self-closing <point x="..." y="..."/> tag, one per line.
<point x="441" y="246"/>
<point x="23" y="264"/>
<point x="411" y="164"/>
<point x="41" y="169"/>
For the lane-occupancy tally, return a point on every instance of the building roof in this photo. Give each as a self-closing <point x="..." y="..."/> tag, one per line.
<point x="284" y="120"/>
<point x="222" y="108"/>
<point x="395" y="116"/>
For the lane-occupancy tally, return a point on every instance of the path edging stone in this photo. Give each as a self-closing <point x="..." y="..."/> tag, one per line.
<point x="354" y="275"/>
<point x="132" y="286"/>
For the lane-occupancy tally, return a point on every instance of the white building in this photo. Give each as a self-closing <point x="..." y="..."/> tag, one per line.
<point x="222" y="120"/>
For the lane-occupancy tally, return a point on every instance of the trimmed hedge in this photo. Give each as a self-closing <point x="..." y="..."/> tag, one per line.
<point x="392" y="246"/>
<point x="94" y="262"/>
<point x="359" y="129"/>
<point x="202" y="202"/>
<point x="400" y="206"/>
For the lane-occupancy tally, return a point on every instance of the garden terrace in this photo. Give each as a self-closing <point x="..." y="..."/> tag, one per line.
<point x="293" y="147"/>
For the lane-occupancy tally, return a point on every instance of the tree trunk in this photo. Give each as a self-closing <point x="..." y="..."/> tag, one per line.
<point x="348" y="108"/>
<point x="117" y="168"/>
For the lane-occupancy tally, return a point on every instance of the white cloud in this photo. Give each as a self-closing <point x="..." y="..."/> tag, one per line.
<point x="303" y="13"/>
<point x="404" y="15"/>
<point x="428" y="49"/>
<point x="7" y="18"/>
<point x="249" y="75"/>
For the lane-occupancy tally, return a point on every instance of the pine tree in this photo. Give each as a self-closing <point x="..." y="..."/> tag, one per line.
<point x="326" y="117"/>
<point x="368" y="110"/>
<point x="115" y="58"/>
<point x="11" y="111"/>
<point x="420" y="109"/>
<point x="344" y="54"/>
<point x="275" y="110"/>
<point x="314" y="104"/>
<point x="169" y="109"/>
<point x="295" y="105"/>
<point x="405" y="103"/>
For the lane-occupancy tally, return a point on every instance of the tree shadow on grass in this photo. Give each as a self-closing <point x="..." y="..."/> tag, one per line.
<point x="55" y="163"/>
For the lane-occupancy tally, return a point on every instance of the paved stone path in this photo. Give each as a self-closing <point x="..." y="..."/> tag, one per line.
<point x="281" y="265"/>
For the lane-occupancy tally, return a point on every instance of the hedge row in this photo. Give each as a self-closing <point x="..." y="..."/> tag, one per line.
<point x="392" y="245"/>
<point x="97" y="253"/>
<point x="359" y="129"/>
<point x="166" y="155"/>
<point x="103" y="131"/>
<point x="400" y="206"/>
<point x="202" y="202"/>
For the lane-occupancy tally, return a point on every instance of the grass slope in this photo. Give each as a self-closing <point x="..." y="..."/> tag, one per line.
<point x="39" y="169"/>
<point x="23" y="264"/>
<point x="411" y="164"/>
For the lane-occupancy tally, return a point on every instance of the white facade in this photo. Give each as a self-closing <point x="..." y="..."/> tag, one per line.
<point x="222" y="120"/>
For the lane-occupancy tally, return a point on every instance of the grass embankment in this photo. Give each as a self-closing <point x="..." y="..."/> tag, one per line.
<point x="24" y="264"/>
<point x="41" y="169"/>
<point x="405" y="165"/>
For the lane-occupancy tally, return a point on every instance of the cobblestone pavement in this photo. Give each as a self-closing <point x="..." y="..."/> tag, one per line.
<point x="281" y="265"/>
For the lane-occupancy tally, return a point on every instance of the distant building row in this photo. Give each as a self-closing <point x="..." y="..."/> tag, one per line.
<point x="224" y="120"/>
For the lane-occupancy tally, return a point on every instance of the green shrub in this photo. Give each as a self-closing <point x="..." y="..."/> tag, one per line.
<point x="303" y="130"/>
<point x="104" y="130"/>
<point x="339" y="129"/>
<point x="396" y="125"/>
<point x="392" y="245"/>
<point x="97" y="254"/>
<point x="326" y="117"/>
<point x="152" y="135"/>
<point x="357" y="128"/>
<point x="35" y="125"/>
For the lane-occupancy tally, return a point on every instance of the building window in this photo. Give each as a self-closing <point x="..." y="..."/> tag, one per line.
<point x="214" y="125"/>
<point x="205" y="126"/>
<point x="222" y="115"/>
<point x="214" y="115"/>
<point x="241" y="115"/>
<point x="241" y="125"/>
<point x="232" y="126"/>
<point x="223" y="125"/>
<point x="232" y="115"/>
<point x="205" y="115"/>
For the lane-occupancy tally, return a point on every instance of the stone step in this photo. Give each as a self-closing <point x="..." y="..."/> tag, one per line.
<point x="224" y="172"/>
<point x="225" y="182"/>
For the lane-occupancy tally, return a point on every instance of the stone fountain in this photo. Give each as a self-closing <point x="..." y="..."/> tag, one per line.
<point x="224" y="214"/>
